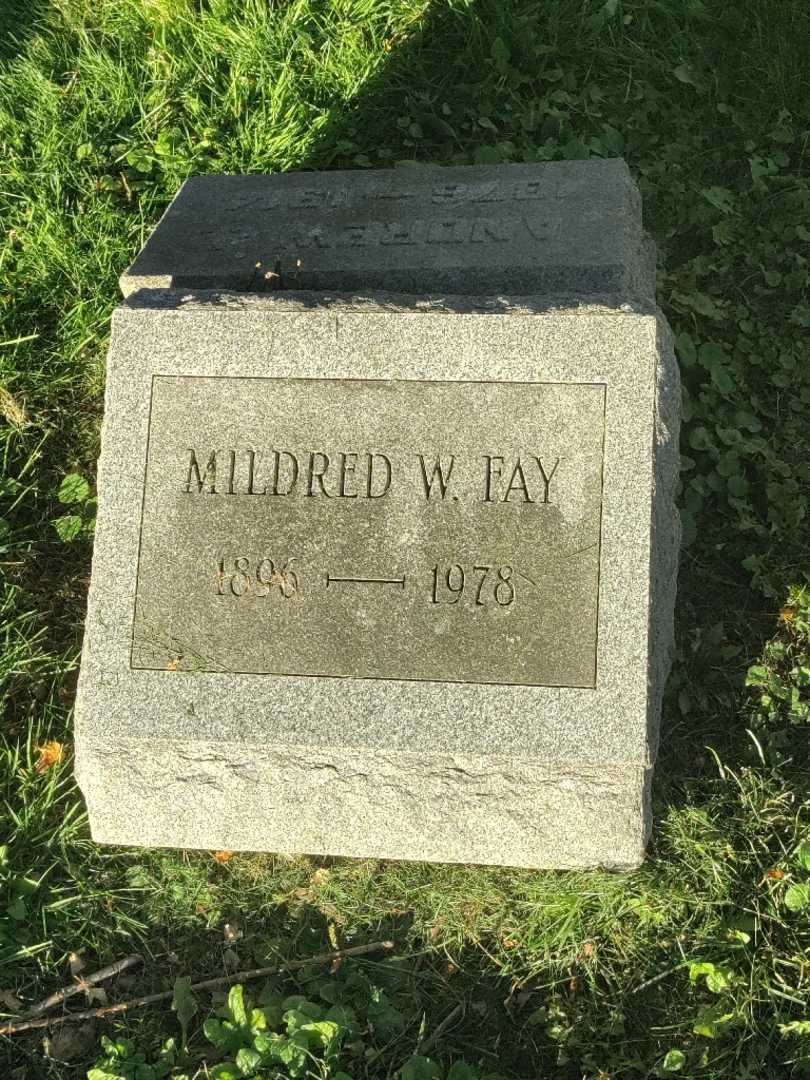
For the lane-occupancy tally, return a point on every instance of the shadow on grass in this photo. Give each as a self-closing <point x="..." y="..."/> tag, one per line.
<point x="19" y="20"/>
<point x="452" y="93"/>
<point x="403" y="1004"/>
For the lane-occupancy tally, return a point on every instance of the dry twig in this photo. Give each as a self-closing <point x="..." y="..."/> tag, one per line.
<point x="83" y="982"/>
<point x="433" y="1038"/>
<point x="206" y="984"/>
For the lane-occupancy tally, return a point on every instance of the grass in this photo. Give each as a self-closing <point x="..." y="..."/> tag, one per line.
<point x="104" y="109"/>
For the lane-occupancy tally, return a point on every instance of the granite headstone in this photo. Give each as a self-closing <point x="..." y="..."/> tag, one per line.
<point x="386" y="546"/>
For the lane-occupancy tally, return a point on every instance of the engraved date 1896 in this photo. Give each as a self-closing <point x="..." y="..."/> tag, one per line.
<point x="243" y="576"/>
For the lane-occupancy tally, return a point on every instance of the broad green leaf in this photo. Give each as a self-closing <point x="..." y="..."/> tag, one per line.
<point x="723" y="380"/>
<point x="700" y="302"/>
<point x="323" y="1032"/>
<point x="257" y="1020"/>
<point x="17" y="910"/>
<point x="757" y="675"/>
<point x="236" y="1005"/>
<point x="272" y="1015"/>
<point x="803" y="855"/>
<point x="293" y="1053"/>
<point x="269" y="1042"/>
<point x="248" y="1060"/>
<point x="139" y="160"/>
<point x="797" y="897"/>
<point x="305" y="1012"/>
<point x="420" y="1068"/>
<point x="747" y="420"/>
<point x="169" y="1050"/>
<point x="68" y="526"/>
<point x="685" y="348"/>
<point x="226" y="1070"/>
<point x="699" y="438"/>
<point x="717" y="978"/>
<point x="184" y="1004"/>
<point x="225" y="1036"/>
<point x="123" y="1048"/>
<point x="301" y="1003"/>
<point x="386" y="1019"/>
<point x="500" y="54"/>
<point x="711" y="1020"/>
<point x="720" y="197"/>
<point x="674" y="1061"/>
<point x="461" y="1071"/>
<point x="684" y="73"/>
<point x="698" y="970"/>
<point x="740" y="935"/>
<point x="712" y="354"/>
<point x="73" y="489"/>
<point x="24" y="886"/>
<point x="343" y="1016"/>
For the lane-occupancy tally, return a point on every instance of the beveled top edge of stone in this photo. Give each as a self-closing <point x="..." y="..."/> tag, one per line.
<point x="551" y="227"/>
<point x="383" y="302"/>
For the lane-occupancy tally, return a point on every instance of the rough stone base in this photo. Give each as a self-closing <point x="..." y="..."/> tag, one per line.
<point x="488" y="810"/>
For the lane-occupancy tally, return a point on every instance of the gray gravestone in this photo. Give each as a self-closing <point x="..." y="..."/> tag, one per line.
<point x="385" y="574"/>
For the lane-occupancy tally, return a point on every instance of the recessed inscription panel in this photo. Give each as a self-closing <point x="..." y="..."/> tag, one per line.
<point x="443" y="531"/>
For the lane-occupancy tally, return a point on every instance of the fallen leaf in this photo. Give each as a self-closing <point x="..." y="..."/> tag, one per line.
<point x="775" y="874"/>
<point x="76" y="963"/>
<point x="67" y="694"/>
<point x="50" y="753"/>
<point x="231" y="931"/>
<point x="320" y="876"/>
<point x="10" y="1002"/>
<point x="223" y="856"/>
<point x="71" y="1042"/>
<point x="12" y="410"/>
<point x="787" y="614"/>
<point x="97" y="993"/>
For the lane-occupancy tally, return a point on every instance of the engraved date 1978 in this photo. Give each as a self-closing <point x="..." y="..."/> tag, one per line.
<point x="480" y="584"/>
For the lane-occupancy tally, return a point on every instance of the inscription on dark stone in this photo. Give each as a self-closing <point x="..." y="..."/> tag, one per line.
<point x="441" y="531"/>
